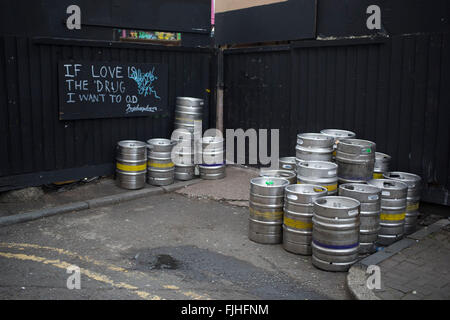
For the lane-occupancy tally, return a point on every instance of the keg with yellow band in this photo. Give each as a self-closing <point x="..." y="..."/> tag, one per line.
<point x="413" y="207"/>
<point x="275" y="215"/>
<point x="377" y="175"/>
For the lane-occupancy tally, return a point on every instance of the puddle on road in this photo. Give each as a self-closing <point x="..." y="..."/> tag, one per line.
<point x="156" y="262"/>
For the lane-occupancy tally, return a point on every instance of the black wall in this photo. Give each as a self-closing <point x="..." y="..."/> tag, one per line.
<point x="392" y="91"/>
<point x="100" y="17"/>
<point x="38" y="148"/>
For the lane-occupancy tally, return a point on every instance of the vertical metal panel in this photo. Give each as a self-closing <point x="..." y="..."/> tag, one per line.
<point x="394" y="92"/>
<point x="37" y="147"/>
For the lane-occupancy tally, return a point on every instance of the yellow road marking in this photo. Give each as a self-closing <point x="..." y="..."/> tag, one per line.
<point x="20" y="246"/>
<point x="93" y="275"/>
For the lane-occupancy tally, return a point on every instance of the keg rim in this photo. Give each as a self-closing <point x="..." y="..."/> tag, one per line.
<point x="363" y="188"/>
<point x="380" y="183"/>
<point x="271" y="173"/>
<point x="405" y="177"/>
<point x="136" y="144"/>
<point x="305" y="187"/>
<point x="212" y="139"/>
<point x="358" y="142"/>
<point x="314" y="136"/>
<point x="161" y="142"/>
<point x="288" y="159"/>
<point x="190" y="99"/>
<point x="261" y="182"/>
<point x="322" y="202"/>
<point x="329" y="132"/>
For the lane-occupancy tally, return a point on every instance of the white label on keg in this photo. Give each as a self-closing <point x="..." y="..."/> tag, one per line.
<point x="353" y="212"/>
<point x="373" y="197"/>
<point x="300" y="141"/>
<point x="385" y="193"/>
<point x="332" y="172"/>
<point x="292" y="196"/>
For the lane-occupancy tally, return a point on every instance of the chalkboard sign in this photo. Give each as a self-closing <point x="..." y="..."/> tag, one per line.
<point x="97" y="89"/>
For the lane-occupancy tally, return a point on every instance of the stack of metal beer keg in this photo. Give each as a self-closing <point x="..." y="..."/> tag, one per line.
<point x="160" y="168"/>
<point x="213" y="158"/>
<point x="336" y="230"/>
<point x="131" y="160"/>
<point x="188" y="121"/>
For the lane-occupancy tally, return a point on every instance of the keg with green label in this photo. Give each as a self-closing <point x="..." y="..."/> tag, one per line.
<point x="266" y="209"/>
<point x="356" y="160"/>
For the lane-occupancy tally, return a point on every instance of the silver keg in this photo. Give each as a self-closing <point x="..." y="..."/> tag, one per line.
<point x="266" y="209"/>
<point x="131" y="164"/>
<point x="322" y="173"/>
<point x="160" y="168"/>
<point x="335" y="237"/>
<point x="287" y="163"/>
<point x="338" y="135"/>
<point x="188" y="113"/>
<point x="412" y="199"/>
<point x="356" y="160"/>
<point x="286" y="174"/>
<point x="370" y="200"/>
<point x="298" y="213"/>
<point x="382" y="162"/>
<point x="183" y="154"/>
<point x="314" y="147"/>
<point x="213" y="158"/>
<point x="393" y="210"/>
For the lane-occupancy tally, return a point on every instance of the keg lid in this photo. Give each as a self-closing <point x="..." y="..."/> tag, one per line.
<point x="338" y="133"/>
<point x="131" y="144"/>
<point x="388" y="184"/>
<point x="287" y="159"/>
<point x="314" y="136"/>
<point x="337" y="202"/>
<point x="190" y="101"/>
<point x="277" y="173"/>
<point x="160" y="142"/>
<point x="360" y="188"/>
<point x="210" y="139"/>
<point x="406" y="177"/>
<point x="306" y="189"/>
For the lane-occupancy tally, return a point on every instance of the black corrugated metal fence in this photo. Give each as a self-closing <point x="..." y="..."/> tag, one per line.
<point x="393" y="91"/>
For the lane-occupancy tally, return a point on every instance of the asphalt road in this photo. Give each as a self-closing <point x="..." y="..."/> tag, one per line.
<point x="161" y="247"/>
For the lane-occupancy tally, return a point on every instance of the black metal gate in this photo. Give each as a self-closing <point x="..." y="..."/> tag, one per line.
<point x="393" y="91"/>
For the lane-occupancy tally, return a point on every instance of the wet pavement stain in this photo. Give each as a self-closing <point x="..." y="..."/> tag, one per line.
<point x="194" y="264"/>
<point x="156" y="262"/>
